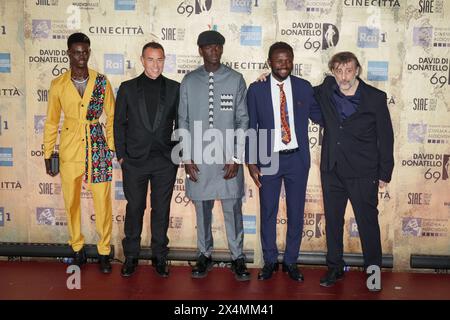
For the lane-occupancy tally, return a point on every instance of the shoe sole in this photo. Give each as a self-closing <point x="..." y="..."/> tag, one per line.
<point x="208" y="269"/>
<point x="297" y="280"/>
<point x="127" y="275"/>
<point x="241" y="278"/>
<point x="286" y="271"/>
<point x="332" y="284"/>
<point x="263" y="279"/>
<point x="161" y="275"/>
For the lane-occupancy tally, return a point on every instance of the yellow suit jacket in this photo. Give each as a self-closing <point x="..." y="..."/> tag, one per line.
<point x="64" y="96"/>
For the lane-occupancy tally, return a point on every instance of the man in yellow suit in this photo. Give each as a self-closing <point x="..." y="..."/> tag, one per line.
<point x="84" y="152"/>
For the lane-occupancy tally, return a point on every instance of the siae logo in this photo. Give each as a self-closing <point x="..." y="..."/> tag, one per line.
<point x="187" y="7"/>
<point x="426" y="6"/>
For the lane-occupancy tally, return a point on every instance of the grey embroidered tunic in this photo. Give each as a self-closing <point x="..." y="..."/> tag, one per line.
<point x="214" y="101"/>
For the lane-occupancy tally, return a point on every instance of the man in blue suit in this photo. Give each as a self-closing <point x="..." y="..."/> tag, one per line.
<point x="280" y="108"/>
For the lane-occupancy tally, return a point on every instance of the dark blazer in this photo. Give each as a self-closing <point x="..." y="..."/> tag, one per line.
<point x="134" y="135"/>
<point x="260" y="110"/>
<point x="363" y="143"/>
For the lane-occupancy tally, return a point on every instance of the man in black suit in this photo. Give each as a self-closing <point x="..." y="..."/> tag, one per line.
<point x="357" y="159"/>
<point x="145" y="118"/>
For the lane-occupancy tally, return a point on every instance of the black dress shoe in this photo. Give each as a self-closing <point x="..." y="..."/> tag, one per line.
<point x="332" y="275"/>
<point x="129" y="267"/>
<point x="267" y="270"/>
<point x="161" y="267"/>
<point x="79" y="257"/>
<point x="240" y="270"/>
<point x="105" y="265"/>
<point x="203" y="265"/>
<point x="293" y="272"/>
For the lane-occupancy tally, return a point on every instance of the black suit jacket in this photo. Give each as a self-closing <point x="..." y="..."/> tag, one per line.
<point x="362" y="145"/>
<point x="134" y="135"/>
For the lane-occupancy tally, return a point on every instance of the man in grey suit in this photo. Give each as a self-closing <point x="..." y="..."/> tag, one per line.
<point x="212" y="104"/>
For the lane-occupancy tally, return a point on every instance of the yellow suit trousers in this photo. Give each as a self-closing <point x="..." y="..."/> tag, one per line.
<point x="72" y="174"/>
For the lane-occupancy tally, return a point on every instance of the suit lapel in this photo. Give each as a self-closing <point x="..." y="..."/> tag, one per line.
<point x="295" y="97"/>
<point x="89" y="88"/>
<point x="267" y="91"/>
<point x="328" y="92"/>
<point x="141" y="103"/>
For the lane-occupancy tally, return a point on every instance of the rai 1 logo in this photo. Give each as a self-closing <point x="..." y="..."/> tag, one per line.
<point x="188" y="7"/>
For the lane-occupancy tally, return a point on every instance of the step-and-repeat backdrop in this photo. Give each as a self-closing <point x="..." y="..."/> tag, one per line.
<point x="403" y="46"/>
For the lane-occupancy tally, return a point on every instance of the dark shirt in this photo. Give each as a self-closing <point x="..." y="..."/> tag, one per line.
<point x="151" y="92"/>
<point x="152" y="88"/>
<point x="346" y="105"/>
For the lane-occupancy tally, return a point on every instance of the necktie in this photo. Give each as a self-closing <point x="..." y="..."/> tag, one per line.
<point x="285" y="131"/>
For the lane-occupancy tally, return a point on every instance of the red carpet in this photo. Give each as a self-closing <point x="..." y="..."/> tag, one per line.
<point x="47" y="280"/>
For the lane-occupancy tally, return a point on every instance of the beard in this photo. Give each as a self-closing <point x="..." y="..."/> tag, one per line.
<point x="347" y="85"/>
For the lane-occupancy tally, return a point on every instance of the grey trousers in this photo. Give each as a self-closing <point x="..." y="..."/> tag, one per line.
<point x="232" y="212"/>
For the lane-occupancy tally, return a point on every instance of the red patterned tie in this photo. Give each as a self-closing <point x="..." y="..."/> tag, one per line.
<point x="285" y="130"/>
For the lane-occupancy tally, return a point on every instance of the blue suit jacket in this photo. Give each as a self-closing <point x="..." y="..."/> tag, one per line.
<point x="260" y="111"/>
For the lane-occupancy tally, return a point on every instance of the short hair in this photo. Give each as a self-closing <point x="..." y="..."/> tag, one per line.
<point x="153" y="45"/>
<point x="76" y="38"/>
<point x="343" y="58"/>
<point x="280" y="46"/>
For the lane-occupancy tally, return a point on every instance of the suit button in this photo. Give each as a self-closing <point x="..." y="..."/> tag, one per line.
<point x="338" y="142"/>
<point x="340" y="127"/>
<point x="82" y="105"/>
<point x="82" y="139"/>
